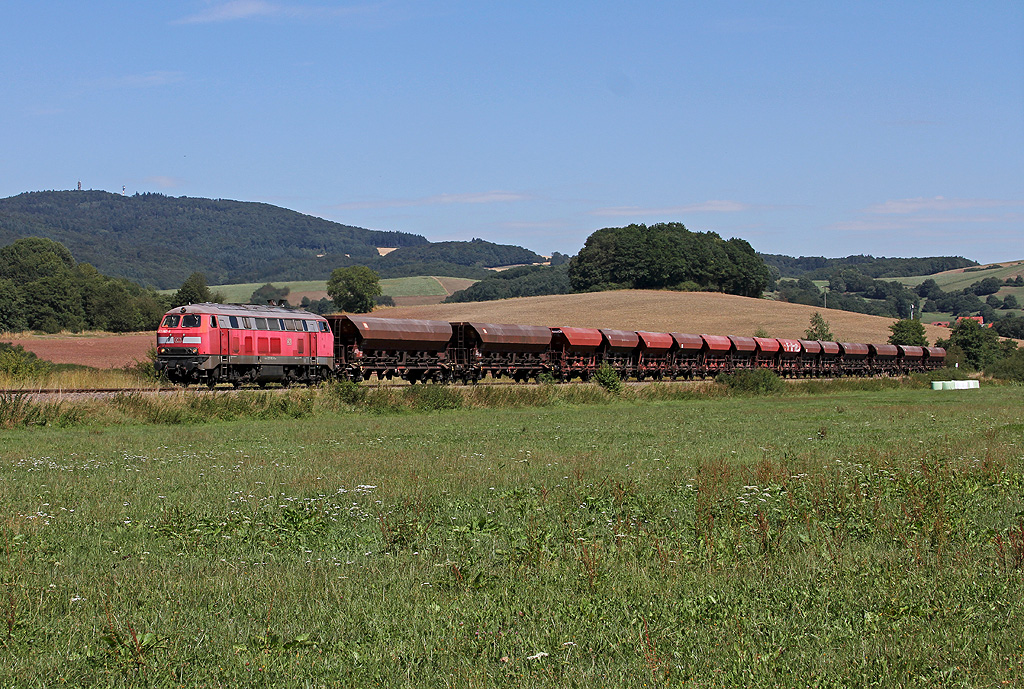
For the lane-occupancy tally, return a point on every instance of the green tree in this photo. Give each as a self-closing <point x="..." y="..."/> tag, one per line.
<point x="666" y="256"/>
<point x="1010" y="368"/>
<point x="268" y="293"/>
<point x="820" y="329"/>
<point x="33" y="258"/>
<point x="979" y="345"/>
<point x="1011" y="326"/>
<point x="193" y="291"/>
<point x="353" y="288"/>
<point x="1010" y="302"/>
<point x="908" y="332"/>
<point x="12" y="307"/>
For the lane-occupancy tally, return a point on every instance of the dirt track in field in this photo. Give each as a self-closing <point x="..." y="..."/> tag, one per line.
<point x="688" y="312"/>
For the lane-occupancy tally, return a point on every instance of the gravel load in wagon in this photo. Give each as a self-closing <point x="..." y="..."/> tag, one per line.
<point x="393" y="334"/>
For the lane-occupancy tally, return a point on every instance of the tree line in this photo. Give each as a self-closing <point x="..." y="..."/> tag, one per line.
<point x="43" y="288"/>
<point x="820" y="268"/>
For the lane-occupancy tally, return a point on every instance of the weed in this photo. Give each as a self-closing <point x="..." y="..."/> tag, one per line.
<point x="759" y="381"/>
<point x="434" y="397"/>
<point x="608" y="378"/>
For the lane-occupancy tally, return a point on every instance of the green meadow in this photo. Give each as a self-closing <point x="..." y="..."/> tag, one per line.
<point x="542" y="536"/>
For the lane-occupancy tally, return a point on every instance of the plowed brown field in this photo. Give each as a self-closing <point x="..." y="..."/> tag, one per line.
<point x="99" y="350"/>
<point x="691" y="312"/>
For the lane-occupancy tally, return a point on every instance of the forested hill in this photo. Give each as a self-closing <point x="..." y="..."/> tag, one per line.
<point x="820" y="268"/>
<point x="160" y="240"/>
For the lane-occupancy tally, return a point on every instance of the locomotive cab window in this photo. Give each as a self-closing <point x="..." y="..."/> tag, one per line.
<point x="171" y="321"/>
<point x="323" y="326"/>
<point x="213" y="321"/>
<point x="190" y="320"/>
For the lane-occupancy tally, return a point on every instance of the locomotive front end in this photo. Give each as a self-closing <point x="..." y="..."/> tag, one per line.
<point x="183" y="346"/>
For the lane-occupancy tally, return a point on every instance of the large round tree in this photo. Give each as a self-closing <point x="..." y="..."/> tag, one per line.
<point x="353" y="288"/>
<point x="667" y="256"/>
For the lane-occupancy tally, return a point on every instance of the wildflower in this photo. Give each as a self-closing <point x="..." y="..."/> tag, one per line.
<point x="537" y="656"/>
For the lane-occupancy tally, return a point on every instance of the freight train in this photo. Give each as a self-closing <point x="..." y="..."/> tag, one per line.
<point x="242" y="344"/>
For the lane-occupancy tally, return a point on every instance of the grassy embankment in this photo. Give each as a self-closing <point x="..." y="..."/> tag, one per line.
<point x="856" y="537"/>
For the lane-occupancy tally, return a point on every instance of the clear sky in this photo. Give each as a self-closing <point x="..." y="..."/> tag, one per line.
<point x="806" y="128"/>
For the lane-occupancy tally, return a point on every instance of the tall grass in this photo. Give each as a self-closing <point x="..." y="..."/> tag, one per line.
<point x="859" y="538"/>
<point x="186" y="407"/>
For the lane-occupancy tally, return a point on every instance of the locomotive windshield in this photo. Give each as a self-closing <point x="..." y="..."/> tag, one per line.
<point x="190" y="320"/>
<point x="171" y="321"/>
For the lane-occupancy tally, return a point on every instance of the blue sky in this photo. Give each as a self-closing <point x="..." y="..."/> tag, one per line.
<point x="806" y="128"/>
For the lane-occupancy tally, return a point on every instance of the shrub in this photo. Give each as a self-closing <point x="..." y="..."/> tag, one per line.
<point x="16" y="362"/>
<point x="346" y="391"/>
<point x="759" y="381"/>
<point x="146" y="370"/>
<point x="608" y="378"/>
<point x="435" y="397"/>
<point x="1010" y="368"/>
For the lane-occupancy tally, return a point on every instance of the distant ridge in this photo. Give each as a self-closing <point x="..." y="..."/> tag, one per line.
<point x="160" y="240"/>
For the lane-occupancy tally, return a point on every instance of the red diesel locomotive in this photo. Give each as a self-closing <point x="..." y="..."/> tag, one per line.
<point x="233" y="343"/>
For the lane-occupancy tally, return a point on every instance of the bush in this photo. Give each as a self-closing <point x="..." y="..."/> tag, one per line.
<point x="346" y="391"/>
<point x="435" y="397"/>
<point x="146" y="370"/>
<point x="16" y="362"/>
<point x="608" y="378"/>
<point x="756" y="382"/>
<point x="1010" y="368"/>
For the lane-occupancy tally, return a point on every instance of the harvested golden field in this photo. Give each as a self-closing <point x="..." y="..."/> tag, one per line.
<point x="692" y="312"/>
